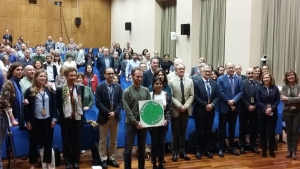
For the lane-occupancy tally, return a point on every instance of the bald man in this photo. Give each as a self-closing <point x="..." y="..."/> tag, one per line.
<point x="25" y="82"/>
<point x="7" y="36"/>
<point x="174" y="74"/>
<point x="230" y="91"/>
<point x="238" y="72"/>
<point x="248" y="114"/>
<point x="49" y="44"/>
<point x="27" y="60"/>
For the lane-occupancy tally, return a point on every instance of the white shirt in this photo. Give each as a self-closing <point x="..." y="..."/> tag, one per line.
<point x="50" y="72"/>
<point x="70" y="64"/>
<point x="207" y="85"/>
<point x="161" y="96"/>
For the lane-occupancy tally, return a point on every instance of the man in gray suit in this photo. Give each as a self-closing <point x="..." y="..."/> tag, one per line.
<point x="182" y="97"/>
<point x="195" y="69"/>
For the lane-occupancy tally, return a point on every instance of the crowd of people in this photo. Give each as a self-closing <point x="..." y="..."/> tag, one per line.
<point x="51" y="91"/>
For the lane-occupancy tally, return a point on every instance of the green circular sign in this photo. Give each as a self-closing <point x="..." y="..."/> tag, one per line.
<point x="151" y="113"/>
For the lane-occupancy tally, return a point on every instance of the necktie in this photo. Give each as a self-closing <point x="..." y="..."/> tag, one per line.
<point x="208" y="89"/>
<point x="232" y="86"/>
<point x="182" y="91"/>
<point x="110" y="92"/>
<point x="251" y="84"/>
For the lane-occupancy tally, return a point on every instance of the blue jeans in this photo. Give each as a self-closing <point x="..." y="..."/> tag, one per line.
<point x="3" y="129"/>
<point x="131" y="131"/>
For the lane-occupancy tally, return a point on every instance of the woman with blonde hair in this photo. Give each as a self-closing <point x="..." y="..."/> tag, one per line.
<point x="40" y="117"/>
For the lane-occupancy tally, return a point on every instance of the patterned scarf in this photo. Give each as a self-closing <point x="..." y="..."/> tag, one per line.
<point x="67" y="104"/>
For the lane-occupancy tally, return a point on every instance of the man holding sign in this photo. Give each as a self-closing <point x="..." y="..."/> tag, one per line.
<point x="131" y="96"/>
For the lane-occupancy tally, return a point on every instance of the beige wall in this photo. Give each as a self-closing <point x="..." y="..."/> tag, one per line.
<point x="243" y="29"/>
<point x="187" y="47"/>
<point x="145" y="18"/>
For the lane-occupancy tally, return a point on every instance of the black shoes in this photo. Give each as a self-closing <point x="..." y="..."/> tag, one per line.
<point x="272" y="154"/>
<point x="220" y="153"/>
<point x="174" y="157"/>
<point x="104" y="164"/>
<point x="233" y="152"/>
<point x="161" y="167"/>
<point x="198" y="155"/>
<point x="75" y="166"/>
<point x="208" y="154"/>
<point x="113" y="163"/>
<point x="185" y="157"/>
<point x="288" y="154"/>
<point x="242" y="150"/>
<point x="264" y="154"/>
<point x="68" y="165"/>
<point x="255" y="150"/>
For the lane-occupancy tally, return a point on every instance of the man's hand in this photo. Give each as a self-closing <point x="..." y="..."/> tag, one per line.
<point x="232" y="108"/>
<point x="111" y="114"/>
<point x="208" y="107"/>
<point x="127" y="79"/>
<point x="85" y="108"/>
<point x="231" y="103"/>
<point x="283" y="98"/>
<point x="139" y="126"/>
<point x="25" y="102"/>
<point x="182" y="108"/>
<point x="251" y="108"/>
<point x="166" y="123"/>
<point x="28" y="126"/>
<point x="52" y="124"/>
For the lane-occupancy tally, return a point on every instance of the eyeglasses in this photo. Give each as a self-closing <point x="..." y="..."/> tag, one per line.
<point x="250" y="73"/>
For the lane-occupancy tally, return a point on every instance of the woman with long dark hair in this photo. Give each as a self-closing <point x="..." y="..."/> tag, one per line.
<point x="89" y="57"/>
<point x="90" y="79"/>
<point x="57" y="61"/>
<point x="158" y="134"/>
<point x="268" y="98"/>
<point x="11" y="101"/>
<point x="40" y="117"/>
<point x="291" y="111"/>
<point x="257" y="73"/>
<point x="214" y="75"/>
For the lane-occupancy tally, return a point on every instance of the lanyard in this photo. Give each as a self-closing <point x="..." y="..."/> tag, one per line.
<point x="43" y="97"/>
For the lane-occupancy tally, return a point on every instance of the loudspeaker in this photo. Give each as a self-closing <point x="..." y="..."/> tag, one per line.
<point x="127" y="26"/>
<point x="77" y="21"/>
<point x="185" y="29"/>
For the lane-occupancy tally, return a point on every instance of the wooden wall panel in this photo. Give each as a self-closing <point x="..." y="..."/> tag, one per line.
<point x="37" y="21"/>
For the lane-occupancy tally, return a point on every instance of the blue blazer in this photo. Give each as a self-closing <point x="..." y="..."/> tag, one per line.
<point x="147" y="78"/>
<point x="224" y="90"/>
<point x="101" y="65"/>
<point x="103" y="103"/>
<point x="200" y="97"/>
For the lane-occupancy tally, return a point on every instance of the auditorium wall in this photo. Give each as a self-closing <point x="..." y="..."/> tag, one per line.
<point x="35" y="22"/>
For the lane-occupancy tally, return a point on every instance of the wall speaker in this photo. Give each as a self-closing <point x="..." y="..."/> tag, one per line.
<point x="185" y="29"/>
<point x="77" y="21"/>
<point x="127" y="26"/>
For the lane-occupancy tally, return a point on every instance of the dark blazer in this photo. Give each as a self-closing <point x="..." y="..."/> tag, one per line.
<point x="54" y="70"/>
<point x="196" y="77"/>
<point x="30" y="108"/>
<point x="147" y="78"/>
<point x="101" y="65"/>
<point x="200" y="97"/>
<point x="243" y="77"/>
<point x="224" y="90"/>
<point x="263" y="98"/>
<point x="103" y="103"/>
<point x="247" y="94"/>
<point x="194" y="70"/>
<point x="10" y="38"/>
<point x="59" y="99"/>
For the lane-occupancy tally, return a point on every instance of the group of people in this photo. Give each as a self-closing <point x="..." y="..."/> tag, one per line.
<point x="54" y="92"/>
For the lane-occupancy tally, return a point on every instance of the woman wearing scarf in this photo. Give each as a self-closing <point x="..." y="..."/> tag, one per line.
<point x="90" y="79"/>
<point x="40" y="117"/>
<point x="69" y="104"/>
<point x="11" y="101"/>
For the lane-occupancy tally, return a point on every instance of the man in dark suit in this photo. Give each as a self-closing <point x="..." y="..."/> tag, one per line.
<point x="221" y="70"/>
<point x="238" y="72"/>
<point x="104" y="62"/>
<point x="195" y="69"/>
<point x="230" y="91"/>
<point x="148" y="75"/>
<point x="204" y="111"/>
<point x="7" y="36"/>
<point x="248" y="113"/>
<point x="109" y="102"/>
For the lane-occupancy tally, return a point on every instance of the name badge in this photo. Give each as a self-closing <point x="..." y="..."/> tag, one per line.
<point x="293" y="107"/>
<point x="208" y="101"/>
<point x="252" y="100"/>
<point x="43" y="111"/>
